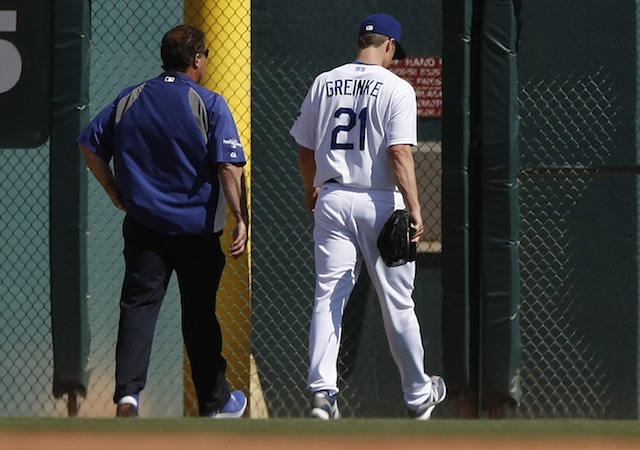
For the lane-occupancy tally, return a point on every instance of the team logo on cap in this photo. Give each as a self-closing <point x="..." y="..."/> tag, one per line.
<point x="369" y="28"/>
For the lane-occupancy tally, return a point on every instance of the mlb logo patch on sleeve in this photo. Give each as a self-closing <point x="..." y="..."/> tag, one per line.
<point x="233" y="143"/>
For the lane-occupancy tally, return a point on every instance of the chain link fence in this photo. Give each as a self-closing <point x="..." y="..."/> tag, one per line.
<point x="25" y="330"/>
<point x="572" y="180"/>
<point x="579" y="206"/>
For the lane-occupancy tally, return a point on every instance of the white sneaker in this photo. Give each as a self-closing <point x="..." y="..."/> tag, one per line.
<point x="128" y="406"/>
<point x="438" y="394"/>
<point x="324" y="406"/>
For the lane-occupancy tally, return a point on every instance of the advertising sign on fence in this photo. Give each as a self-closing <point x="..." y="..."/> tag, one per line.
<point x="425" y="75"/>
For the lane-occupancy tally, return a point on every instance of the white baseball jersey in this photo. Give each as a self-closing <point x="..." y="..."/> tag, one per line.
<point x="350" y="116"/>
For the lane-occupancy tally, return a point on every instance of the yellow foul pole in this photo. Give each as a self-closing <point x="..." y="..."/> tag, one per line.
<point x="227" y="28"/>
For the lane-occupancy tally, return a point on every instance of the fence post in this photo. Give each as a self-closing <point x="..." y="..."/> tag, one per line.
<point x="456" y="142"/>
<point x="500" y="215"/>
<point x="227" y="27"/>
<point x="480" y="213"/>
<point x="68" y="200"/>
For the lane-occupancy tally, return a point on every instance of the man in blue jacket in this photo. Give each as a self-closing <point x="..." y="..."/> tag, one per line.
<point x="178" y="162"/>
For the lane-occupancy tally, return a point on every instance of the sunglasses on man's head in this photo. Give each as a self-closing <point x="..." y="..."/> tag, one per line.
<point x="204" y="52"/>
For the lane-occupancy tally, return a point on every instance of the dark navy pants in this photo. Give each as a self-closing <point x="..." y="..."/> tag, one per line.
<point x="150" y="259"/>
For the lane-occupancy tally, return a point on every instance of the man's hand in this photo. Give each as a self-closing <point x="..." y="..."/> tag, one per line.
<point x="103" y="173"/>
<point x="417" y="227"/>
<point x="307" y="166"/>
<point x="231" y="178"/>
<point x="310" y="198"/>
<point x="239" y="244"/>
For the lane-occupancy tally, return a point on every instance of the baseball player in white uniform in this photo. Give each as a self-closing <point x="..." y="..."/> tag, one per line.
<point x="355" y="130"/>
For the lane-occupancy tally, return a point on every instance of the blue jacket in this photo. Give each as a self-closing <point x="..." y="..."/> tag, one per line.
<point x="165" y="137"/>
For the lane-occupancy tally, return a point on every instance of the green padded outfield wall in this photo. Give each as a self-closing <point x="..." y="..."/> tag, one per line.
<point x="481" y="341"/>
<point x="578" y="70"/>
<point x="68" y="199"/>
<point x="500" y="352"/>
<point x="458" y="357"/>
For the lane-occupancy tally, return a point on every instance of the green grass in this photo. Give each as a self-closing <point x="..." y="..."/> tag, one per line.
<point x="355" y="427"/>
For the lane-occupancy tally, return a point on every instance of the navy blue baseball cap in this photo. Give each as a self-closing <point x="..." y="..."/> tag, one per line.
<point x="387" y="26"/>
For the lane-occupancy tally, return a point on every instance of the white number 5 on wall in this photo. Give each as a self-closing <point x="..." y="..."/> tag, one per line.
<point x="11" y="67"/>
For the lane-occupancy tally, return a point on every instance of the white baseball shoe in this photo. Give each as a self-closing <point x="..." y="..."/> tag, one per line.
<point x="438" y="394"/>
<point x="128" y="406"/>
<point x="324" y="406"/>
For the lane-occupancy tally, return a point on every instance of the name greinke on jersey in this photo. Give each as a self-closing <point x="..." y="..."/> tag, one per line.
<point x="352" y="87"/>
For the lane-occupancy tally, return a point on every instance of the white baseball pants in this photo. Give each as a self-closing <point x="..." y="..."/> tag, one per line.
<point x="347" y="224"/>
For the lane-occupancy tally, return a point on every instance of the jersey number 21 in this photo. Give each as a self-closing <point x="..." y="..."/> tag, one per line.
<point x="353" y="119"/>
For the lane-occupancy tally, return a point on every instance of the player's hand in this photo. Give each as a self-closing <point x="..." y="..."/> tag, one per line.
<point x="417" y="227"/>
<point x="239" y="244"/>
<point x="310" y="198"/>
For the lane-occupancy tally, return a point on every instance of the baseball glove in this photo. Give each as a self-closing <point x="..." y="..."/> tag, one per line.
<point x="394" y="241"/>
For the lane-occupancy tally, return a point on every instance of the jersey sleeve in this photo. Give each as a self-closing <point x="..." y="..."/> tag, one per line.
<point x="98" y="135"/>
<point x="304" y="127"/>
<point x="224" y="139"/>
<point x="403" y="117"/>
